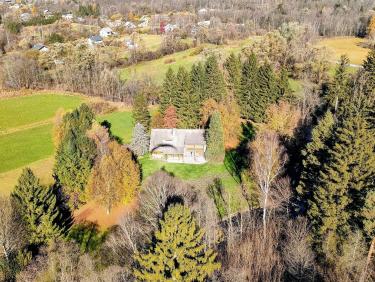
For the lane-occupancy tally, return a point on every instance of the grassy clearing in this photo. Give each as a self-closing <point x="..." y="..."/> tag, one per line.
<point x="21" y="148"/>
<point x="42" y="168"/>
<point x="121" y="124"/>
<point x="20" y="111"/>
<point x="156" y="69"/>
<point x="351" y="46"/>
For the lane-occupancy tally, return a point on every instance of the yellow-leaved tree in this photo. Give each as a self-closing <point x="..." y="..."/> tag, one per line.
<point x="115" y="178"/>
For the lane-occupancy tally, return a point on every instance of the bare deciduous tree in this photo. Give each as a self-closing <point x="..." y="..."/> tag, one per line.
<point x="12" y="230"/>
<point x="268" y="159"/>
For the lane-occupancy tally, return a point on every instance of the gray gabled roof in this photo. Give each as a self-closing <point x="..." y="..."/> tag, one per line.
<point x="96" y="38"/>
<point x="174" y="140"/>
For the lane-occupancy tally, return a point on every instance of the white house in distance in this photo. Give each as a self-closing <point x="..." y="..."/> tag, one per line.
<point x="40" y="48"/>
<point x="105" y="32"/>
<point x="178" y="145"/>
<point x="95" y="40"/>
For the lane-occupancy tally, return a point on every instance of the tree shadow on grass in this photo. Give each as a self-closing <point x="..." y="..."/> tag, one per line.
<point x="236" y="160"/>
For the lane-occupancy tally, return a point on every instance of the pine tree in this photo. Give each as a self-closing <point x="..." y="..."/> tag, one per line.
<point x="249" y="87"/>
<point x="75" y="154"/>
<point x="340" y="85"/>
<point x="168" y="95"/>
<point x="178" y="252"/>
<point x="140" y="140"/>
<point x="141" y="113"/>
<point x="38" y="208"/>
<point x="170" y="119"/>
<point x="198" y="81"/>
<point x="233" y="68"/>
<point x="346" y="176"/>
<point x="267" y="94"/>
<point x="187" y="102"/>
<point x="314" y="157"/>
<point x="215" y="83"/>
<point x="215" y="139"/>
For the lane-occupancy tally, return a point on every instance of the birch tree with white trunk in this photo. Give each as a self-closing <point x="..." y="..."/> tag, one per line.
<point x="268" y="159"/>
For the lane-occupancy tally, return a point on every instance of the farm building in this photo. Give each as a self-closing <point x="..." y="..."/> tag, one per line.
<point x="178" y="145"/>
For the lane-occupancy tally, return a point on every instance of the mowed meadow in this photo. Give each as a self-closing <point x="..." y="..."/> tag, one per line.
<point x="26" y="125"/>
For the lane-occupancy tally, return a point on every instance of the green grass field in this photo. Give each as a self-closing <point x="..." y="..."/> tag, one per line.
<point x="24" y="111"/>
<point x="26" y="133"/>
<point x="156" y="69"/>
<point x="121" y="124"/>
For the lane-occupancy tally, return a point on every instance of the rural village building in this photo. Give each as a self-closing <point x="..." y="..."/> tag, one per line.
<point x="178" y="145"/>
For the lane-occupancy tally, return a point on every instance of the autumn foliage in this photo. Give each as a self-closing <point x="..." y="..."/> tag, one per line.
<point x="170" y="119"/>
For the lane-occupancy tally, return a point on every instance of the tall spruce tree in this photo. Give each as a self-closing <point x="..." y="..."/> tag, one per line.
<point x="215" y="139"/>
<point x="168" y="94"/>
<point x="346" y="177"/>
<point x="339" y="87"/>
<point x="76" y="153"/>
<point x="177" y="252"/>
<point x="249" y="87"/>
<point x="141" y="113"/>
<point x="38" y="207"/>
<point x="267" y="94"/>
<point x="314" y="156"/>
<point x="188" y="102"/>
<point x="215" y="83"/>
<point x="198" y="81"/>
<point x="233" y="69"/>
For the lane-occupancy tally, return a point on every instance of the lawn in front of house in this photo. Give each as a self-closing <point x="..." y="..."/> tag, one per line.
<point x="198" y="175"/>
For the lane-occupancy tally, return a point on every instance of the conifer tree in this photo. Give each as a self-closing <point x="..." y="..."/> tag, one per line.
<point x="188" y="104"/>
<point x="76" y="153"/>
<point x="267" y="94"/>
<point x="340" y="85"/>
<point x="233" y="68"/>
<point x="249" y="87"/>
<point x="215" y="139"/>
<point x="215" y="83"/>
<point x="141" y="113"/>
<point x="178" y="252"/>
<point x="38" y="207"/>
<point x="140" y="140"/>
<point x="346" y="176"/>
<point x="168" y="95"/>
<point x="314" y="156"/>
<point x="198" y="81"/>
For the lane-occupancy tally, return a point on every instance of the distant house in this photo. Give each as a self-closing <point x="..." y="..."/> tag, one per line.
<point x="170" y="27"/>
<point x="25" y="17"/>
<point x="40" y="48"/>
<point x="67" y="17"/>
<point x="178" y="145"/>
<point x="95" y="39"/>
<point x="144" y="21"/>
<point x="130" y="25"/>
<point x="204" y="24"/>
<point x="131" y="44"/>
<point x="106" y="31"/>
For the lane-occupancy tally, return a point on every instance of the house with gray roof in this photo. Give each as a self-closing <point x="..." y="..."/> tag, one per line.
<point x="178" y="145"/>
